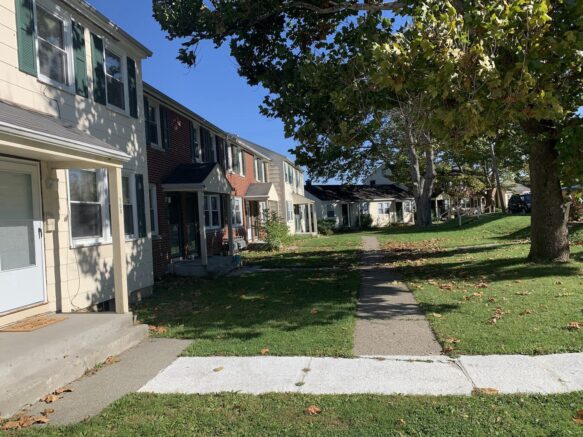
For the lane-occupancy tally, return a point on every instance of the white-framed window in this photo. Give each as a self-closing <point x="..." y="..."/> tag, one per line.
<point x="115" y="78"/>
<point x="364" y="208"/>
<point x="212" y="211"/>
<point x="54" y="45"/>
<point x="237" y="211"/>
<point x="130" y="209"/>
<point x="289" y="211"/>
<point x="299" y="180"/>
<point x="153" y="122"/>
<point x="260" y="173"/>
<point x="288" y="173"/>
<point x="236" y="160"/>
<point x="207" y="141"/>
<point x="330" y="210"/>
<point x="407" y="207"/>
<point x="153" y="209"/>
<point x="88" y="206"/>
<point x="384" y="208"/>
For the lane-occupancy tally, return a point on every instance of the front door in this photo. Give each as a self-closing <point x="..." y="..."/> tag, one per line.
<point x="22" y="281"/>
<point x="175" y="222"/>
<point x="345" y="215"/>
<point x="191" y="225"/>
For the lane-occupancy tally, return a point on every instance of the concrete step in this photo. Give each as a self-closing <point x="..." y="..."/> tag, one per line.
<point x="33" y="364"/>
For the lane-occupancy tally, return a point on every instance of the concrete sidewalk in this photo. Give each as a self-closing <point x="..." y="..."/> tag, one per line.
<point x="389" y="320"/>
<point x="505" y="374"/>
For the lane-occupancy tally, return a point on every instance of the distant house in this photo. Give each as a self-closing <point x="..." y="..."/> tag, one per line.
<point x="386" y="204"/>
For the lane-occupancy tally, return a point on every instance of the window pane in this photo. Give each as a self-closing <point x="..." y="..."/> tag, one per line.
<point x="115" y="93"/>
<point x="214" y="203"/>
<point x="15" y="196"/>
<point x="16" y="244"/>
<point x="85" y="220"/>
<point x="52" y="62"/>
<point x="215" y="218"/>
<point x="126" y="190"/>
<point x="83" y="186"/>
<point x="50" y="28"/>
<point x="207" y="218"/>
<point x="113" y="65"/>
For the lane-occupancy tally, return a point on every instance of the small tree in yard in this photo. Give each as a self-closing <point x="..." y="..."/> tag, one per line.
<point x="276" y="231"/>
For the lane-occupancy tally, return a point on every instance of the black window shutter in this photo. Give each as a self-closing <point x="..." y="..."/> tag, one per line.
<point x="98" y="69"/>
<point x="193" y="141"/>
<point x="147" y="120"/>
<point x="133" y="87"/>
<point x="25" y="33"/>
<point x="140" y="193"/>
<point x="164" y="128"/>
<point x="80" y="59"/>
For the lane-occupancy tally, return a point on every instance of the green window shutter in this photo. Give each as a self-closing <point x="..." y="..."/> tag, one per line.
<point x="164" y="128"/>
<point x="140" y="193"/>
<point x="98" y="70"/>
<point x="26" y="36"/>
<point x="147" y="119"/>
<point x="133" y="87"/>
<point x="80" y="60"/>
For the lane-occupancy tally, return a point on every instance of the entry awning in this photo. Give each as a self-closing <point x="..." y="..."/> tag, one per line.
<point x="31" y="134"/>
<point x="262" y="192"/>
<point x="198" y="177"/>
<point x="301" y="200"/>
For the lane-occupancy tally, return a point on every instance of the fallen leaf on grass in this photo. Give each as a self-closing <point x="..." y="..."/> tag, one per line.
<point x="559" y="283"/>
<point x="49" y="399"/>
<point x="526" y="312"/>
<point x="453" y="340"/>
<point x="481" y="284"/>
<point x="578" y="417"/>
<point x="158" y="329"/>
<point x="522" y="293"/>
<point x="437" y="315"/>
<point x="496" y="316"/>
<point x="448" y="350"/>
<point x="264" y="351"/>
<point x="313" y="410"/>
<point x="313" y="311"/>
<point x="574" y="326"/>
<point x="23" y="421"/>
<point x="485" y="391"/>
<point x="218" y="369"/>
<point x="492" y="299"/>
<point x="446" y="286"/>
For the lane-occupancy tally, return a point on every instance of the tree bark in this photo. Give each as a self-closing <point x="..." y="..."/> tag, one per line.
<point x="549" y="233"/>
<point x="497" y="177"/>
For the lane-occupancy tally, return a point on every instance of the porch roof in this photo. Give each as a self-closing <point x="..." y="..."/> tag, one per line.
<point x="23" y="124"/>
<point x="262" y="191"/>
<point x="301" y="200"/>
<point x="198" y="177"/>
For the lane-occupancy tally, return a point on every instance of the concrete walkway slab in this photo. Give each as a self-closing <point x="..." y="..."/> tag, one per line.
<point x="253" y="375"/>
<point x="92" y="393"/>
<point x="567" y="367"/>
<point x="512" y="374"/>
<point x="404" y="375"/>
<point x="389" y="319"/>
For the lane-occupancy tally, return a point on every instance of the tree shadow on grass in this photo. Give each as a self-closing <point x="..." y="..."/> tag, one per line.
<point x="246" y="308"/>
<point x="305" y="258"/>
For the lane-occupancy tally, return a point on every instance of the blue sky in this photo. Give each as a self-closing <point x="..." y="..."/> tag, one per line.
<point x="212" y="89"/>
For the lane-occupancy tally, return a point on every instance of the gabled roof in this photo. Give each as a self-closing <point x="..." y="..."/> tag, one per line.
<point x="208" y="177"/>
<point x="250" y="146"/>
<point x="27" y="123"/>
<point x="272" y="154"/>
<point x="357" y="193"/>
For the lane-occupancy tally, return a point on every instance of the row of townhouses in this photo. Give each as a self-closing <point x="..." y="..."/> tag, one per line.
<point x="106" y="183"/>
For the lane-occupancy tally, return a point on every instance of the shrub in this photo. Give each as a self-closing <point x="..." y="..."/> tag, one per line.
<point x="365" y="221"/>
<point x="326" y="226"/>
<point x="276" y="232"/>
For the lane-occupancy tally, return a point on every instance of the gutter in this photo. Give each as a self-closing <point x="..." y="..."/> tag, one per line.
<point x="69" y="144"/>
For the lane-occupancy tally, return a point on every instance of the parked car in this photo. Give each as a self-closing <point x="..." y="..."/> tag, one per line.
<point x="520" y="203"/>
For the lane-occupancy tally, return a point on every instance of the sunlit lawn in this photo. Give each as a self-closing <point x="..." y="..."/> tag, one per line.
<point x="299" y="313"/>
<point x="323" y="251"/>
<point x="357" y="415"/>
<point x="488" y="300"/>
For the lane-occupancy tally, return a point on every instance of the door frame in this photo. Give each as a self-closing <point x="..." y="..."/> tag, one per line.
<point x="38" y="209"/>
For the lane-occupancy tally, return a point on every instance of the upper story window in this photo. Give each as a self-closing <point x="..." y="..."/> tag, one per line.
<point x="208" y="149"/>
<point x="53" y="32"/>
<point x="260" y="171"/>
<point x="115" y="80"/>
<point x="152" y="122"/>
<point x="236" y="160"/>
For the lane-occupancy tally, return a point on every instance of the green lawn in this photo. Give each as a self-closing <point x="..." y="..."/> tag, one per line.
<point x="487" y="300"/>
<point x="357" y="415"/>
<point x="489" y="229"/>
<point x="323" y="251"/>
<point x="299" y="313"/>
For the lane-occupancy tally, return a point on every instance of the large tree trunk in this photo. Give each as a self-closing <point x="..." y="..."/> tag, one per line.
<point x="549" y="234"/>
<point x="497" y="178"/>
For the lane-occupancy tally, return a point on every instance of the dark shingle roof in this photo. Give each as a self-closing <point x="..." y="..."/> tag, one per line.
<point x="36" y="123"/>
<point x="189" y="174"/>
<point x="357" y="193"/>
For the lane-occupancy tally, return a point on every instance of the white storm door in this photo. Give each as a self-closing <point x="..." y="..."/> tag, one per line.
<point x="22" y="281"/>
